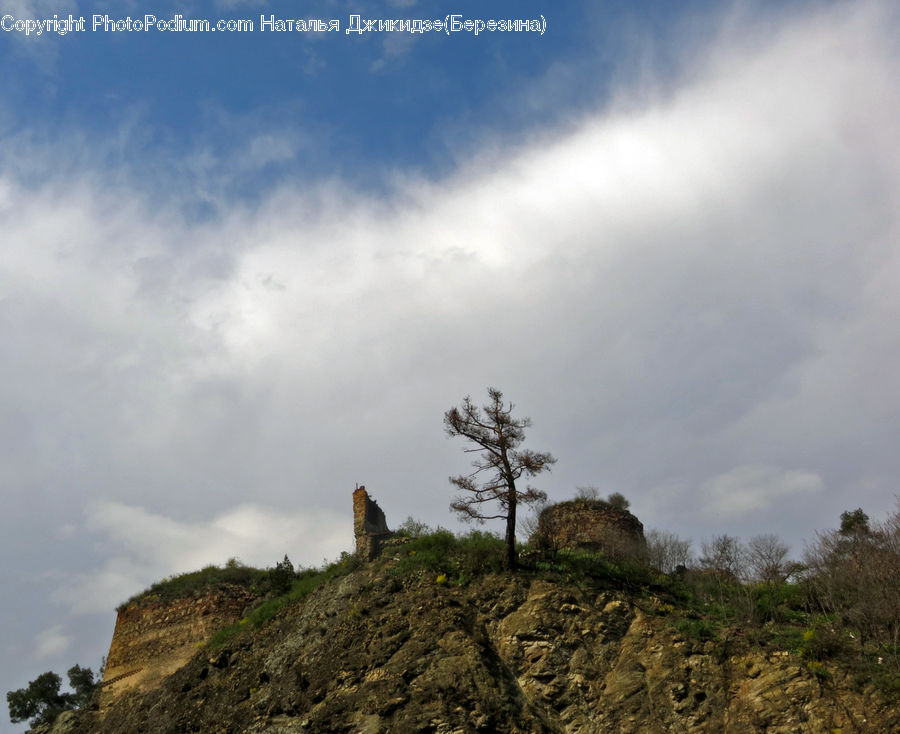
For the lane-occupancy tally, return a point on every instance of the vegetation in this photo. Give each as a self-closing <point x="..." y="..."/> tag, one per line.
<point x="497" y="436"/>
<point x="591" y="496"/>
<point x="667" y="552"/>
<point x="301" y="585"/>
<point x="275" y="581"/>
<point x="42" y="702"/>
<point x="839" y="609"/>
<point x="458" y="558"/>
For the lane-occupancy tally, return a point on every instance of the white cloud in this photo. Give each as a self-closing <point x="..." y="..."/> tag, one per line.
<point x="752" y="488"/>
<point x="51" y="643"/>
<point x="33" y="8"/>
<point x="229" y="4"/>
<point x="142" y="547"/>
<point x="671" y="289"/>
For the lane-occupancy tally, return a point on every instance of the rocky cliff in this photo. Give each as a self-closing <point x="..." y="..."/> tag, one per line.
<point x="374" y="652"/>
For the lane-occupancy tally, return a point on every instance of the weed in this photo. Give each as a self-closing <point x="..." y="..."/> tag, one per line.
<point x="698" y="629"/>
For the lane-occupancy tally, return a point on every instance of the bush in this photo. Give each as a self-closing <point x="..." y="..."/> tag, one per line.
<point x="698" y="629"/>
<point x="822" y="643"/>
<point x="304" y="584"/>
<point x="778" y="603"/>
<point x="278" y="580"/>
<point x="622" y="572"/>
<point x="193" y="582"/>
<point x="442" y="552"/>
<point x="412" y="528"/>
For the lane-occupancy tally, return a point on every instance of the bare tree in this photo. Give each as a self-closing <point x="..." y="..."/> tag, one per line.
<point x="854" y="574"/>
<point x="767" y="558"/>
<point x="530" y="523"/>
<point x="725" y="555"/>
<point x="666" y="551"/>
<point x="496" y="436"/>
<point x="589" y="493"/>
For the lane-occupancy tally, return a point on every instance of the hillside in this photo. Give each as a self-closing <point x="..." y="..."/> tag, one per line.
<point x="391" y="646"/>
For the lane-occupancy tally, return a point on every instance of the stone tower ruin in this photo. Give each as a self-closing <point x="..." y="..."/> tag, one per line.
<point x="592" y="525"/>
<point x="369" y="525"/>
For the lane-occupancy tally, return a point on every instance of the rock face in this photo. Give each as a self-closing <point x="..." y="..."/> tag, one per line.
<point x="371" y="653"/>
<point x="592" y="525"/>
<point x="154" y="638"/>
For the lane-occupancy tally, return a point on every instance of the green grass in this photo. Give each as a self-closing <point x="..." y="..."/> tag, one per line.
<point x="187" y="584"/>
<point x="459" y="558"/>
<point x="597" y="566"/>
<point x="697" y="629"/>
<point x="266" y="610"/>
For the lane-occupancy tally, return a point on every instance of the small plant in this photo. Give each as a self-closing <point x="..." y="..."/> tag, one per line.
<point x="698" y="629"/>
<point x="821" y="643"/>
<point x="818" y="669"/>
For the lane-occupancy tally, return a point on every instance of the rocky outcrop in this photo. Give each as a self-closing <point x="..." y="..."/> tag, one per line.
<point x="373" y="653"/>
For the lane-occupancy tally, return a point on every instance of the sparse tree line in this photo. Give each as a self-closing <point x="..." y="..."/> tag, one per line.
<point x="848" y="579"/>
<point x="763" y="559"/>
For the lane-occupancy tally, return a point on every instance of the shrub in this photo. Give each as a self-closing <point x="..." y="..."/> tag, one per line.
<point x="193" y="582"/>
<point x="412" y="528"/>
<point x="278" y="580"/>
<point x="822" y="643"/>
<point x="699" y="629"/>
<point x="778" y="603"/>
<point x="818" y="669"/>
<point x="304" y="584"/>
<point x="441" y="552"/>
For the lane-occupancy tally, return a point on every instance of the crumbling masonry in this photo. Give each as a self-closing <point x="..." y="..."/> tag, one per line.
<point x="369" y="525"/>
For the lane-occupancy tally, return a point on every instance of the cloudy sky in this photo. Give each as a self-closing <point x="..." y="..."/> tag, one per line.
<point x="242" y="272"/>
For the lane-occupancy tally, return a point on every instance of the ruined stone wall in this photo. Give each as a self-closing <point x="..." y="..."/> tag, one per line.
<point x="592" y="526"/>
<point x="154" y="638"/>
<point x="369" y="525"/>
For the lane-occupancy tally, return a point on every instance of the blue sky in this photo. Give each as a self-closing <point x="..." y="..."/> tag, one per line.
<point x="354" y="105"/>
<point x="240" y="274"/>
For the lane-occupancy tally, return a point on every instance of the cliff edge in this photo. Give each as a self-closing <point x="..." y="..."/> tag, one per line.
<point x="374" y="651"/>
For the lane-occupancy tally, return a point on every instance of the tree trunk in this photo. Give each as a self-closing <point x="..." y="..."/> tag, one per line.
<point x="511" y="561"/>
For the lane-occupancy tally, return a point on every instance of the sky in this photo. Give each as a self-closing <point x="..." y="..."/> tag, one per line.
<point x="243" y="272"/>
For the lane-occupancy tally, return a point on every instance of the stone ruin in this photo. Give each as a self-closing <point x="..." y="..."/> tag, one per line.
<point x="369" y="525"/>
<point x="592" y="525"/>
<point x="154" y="638"/>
